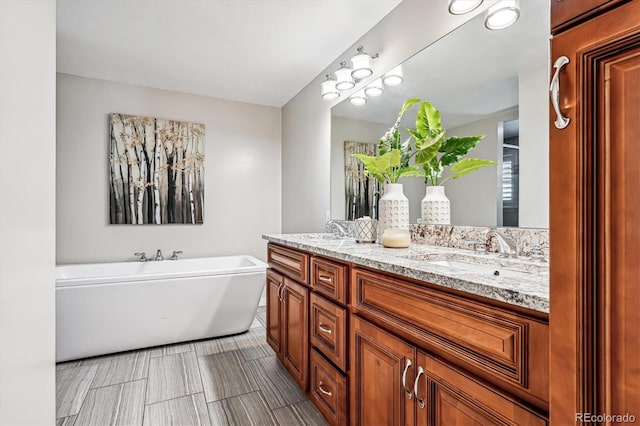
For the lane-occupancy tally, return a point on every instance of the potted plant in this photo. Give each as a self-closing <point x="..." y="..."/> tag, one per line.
<point x="434" y="153"/>
<point x="390" y="164"/>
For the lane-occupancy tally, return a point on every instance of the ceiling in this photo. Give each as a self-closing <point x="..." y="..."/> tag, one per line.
<point x="257" y="51"/>
<point x="468" y="74"/>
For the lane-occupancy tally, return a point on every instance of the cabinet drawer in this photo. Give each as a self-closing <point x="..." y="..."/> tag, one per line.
<point x="451" y="397"/>
<point x="290" y="262"/>
<point x="328" y="390"/>
<point x="329" y="330"/>
<point x="491" y="342"/>
<point x="329" y="279"/>
<point x="565" y="13"/>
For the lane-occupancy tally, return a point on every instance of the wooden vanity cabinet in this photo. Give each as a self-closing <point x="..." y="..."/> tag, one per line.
<point x="288" y="311"/>
<point x="594" y="221"/>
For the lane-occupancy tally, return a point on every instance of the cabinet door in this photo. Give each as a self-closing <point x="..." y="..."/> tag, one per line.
<point x="378" y="364"/>
<point x="448" y="397"/>
<point x="275" y="282"/>
<point x="594" y="222"/>
<point x="295" y="327"/>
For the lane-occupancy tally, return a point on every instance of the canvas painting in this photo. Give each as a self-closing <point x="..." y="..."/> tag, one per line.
<point x="156" y="170"/>
<point x="362" y="191"/>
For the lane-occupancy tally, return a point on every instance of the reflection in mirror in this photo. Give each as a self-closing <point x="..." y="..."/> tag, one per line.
<point x="491" y="83"/>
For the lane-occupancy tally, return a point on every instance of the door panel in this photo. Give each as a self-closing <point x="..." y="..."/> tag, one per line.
<point x="295" y="352"/>
<point x="274" y="311"/>
<point x="377" y="364"/>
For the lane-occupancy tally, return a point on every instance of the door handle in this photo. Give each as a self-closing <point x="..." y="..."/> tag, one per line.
<point x="561" y="121"/>
<point x="324" y="329"/>
<point x="415" y="387"/>
<point x="404" y="379"/>
<point x="280" y="293"/>
<point x="324" y="391"/>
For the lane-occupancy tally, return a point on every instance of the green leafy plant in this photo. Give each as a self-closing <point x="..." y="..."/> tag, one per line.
<point x="435" y="152"/>
<point x="393" y="157"/>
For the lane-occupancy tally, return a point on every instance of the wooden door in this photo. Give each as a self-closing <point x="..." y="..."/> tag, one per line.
<point x="295" y="327"/>
<point x="595" y="220"/>
<point x="448" y="396"/>
<point x="275" y="282"/>
<point x="378" y="362"/>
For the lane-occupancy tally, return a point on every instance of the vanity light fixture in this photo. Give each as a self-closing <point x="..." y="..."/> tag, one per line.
<point x="460" y="7"/>
<point x="361" y="64"/>
<point x="358" y="98"/>
<point x="395" y="77"/>
<point x="343" y="77"/>
<point x="375" y="88"/>
<point x="502" y="14"/>
<point x="328" y="88"/>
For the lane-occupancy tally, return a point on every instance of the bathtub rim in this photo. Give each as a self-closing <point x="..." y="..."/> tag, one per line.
<point x="257" y="267"/>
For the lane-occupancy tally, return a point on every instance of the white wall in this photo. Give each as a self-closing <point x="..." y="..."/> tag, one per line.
<point x="534" y="149"/>
<point x="306" y="119"/>
<point x="474" y="197"/>
<point x="242" y="174"/>
<point x="27" y="211"/>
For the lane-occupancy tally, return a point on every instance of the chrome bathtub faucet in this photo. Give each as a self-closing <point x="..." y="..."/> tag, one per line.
<point x="159" y="255"/>
<point x="143" y="256"/>
<point x="175" y="254"/>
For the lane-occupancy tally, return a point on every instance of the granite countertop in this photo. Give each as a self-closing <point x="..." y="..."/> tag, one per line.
<point x="520" y="282"/>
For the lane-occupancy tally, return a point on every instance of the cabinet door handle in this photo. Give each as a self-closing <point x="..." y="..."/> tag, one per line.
<point x="561" y="121"/>
<point x="325" y="279"/>
<point x="324" y="391"/>
<point x="280" y="293"/>
<point x="404" y="379"/>
<point x="325" y="329"/>
<point x="415" y="387"/>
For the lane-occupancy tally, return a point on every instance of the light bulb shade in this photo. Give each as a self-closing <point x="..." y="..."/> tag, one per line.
<point x="361" y="65"/>
<point x="328" y="89"/>
<point x="375" y="88"/>
<point x="502" y="14"/>
<point x="460" y="7"/>
<point x="343" y="78"/>
<point x="395" y="77"/>
<point x="358" y="98"/>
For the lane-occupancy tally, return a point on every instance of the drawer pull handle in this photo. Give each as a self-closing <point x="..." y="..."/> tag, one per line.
<point x="415" y="387"/>
<point x="324" y="391"/>
<point x="325" y="279"/>
<point x="324" y="329"/>
<point x="561" y="121"/>
<point x="404" y="379"/>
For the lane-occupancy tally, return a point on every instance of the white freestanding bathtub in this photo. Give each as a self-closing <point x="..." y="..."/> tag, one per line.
<point x="113" y="307"/>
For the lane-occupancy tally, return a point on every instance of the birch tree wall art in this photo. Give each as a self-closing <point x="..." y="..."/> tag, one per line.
<point x="362" y="191"/>
<point x="156" y="170"/>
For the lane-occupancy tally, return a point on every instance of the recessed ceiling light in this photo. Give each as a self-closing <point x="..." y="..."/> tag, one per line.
<point x="502" y="14"/>
<point x="460" y="7"/>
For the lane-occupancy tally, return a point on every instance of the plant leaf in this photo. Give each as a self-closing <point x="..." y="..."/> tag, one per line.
<point x="410" y="171"/>
<point x="407" y="104"/>
<point x="428" y="120"/>
<point x="468" y="165"/>
<point x="427" y="148"/>
<point x="456" y="148"/>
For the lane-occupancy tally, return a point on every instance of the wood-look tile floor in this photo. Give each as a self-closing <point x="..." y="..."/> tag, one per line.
<point x="234" y="380"/>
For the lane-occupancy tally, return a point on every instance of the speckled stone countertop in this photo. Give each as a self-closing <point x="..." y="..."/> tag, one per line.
<point x="520" y="282"/>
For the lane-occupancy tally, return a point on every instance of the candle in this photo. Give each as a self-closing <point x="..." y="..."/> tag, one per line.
<point x="396" y="238"/>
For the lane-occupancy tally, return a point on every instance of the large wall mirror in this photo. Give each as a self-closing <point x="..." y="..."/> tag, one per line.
<point x="491" y="83"/>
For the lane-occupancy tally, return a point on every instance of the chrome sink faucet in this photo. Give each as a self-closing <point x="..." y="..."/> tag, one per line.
<point x="337" y="229"/>
<point x="175" y="254"/>
<point x="159" y="255"/>
<point x="143" y="256"/>
<point x="506" y="246"/>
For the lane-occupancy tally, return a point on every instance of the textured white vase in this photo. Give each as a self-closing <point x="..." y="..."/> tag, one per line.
<point x="436" y="208"/>
<point x="393" y="209"/>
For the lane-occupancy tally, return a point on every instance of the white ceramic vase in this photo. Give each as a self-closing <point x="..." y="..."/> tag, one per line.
<point x="393" y="209"/>
<point x="436" y="208"/>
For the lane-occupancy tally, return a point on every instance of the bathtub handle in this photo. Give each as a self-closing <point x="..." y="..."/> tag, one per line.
<point x="324" y="391"/>
<point x="324" y="329"/>
<point x="325" y="279"/>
